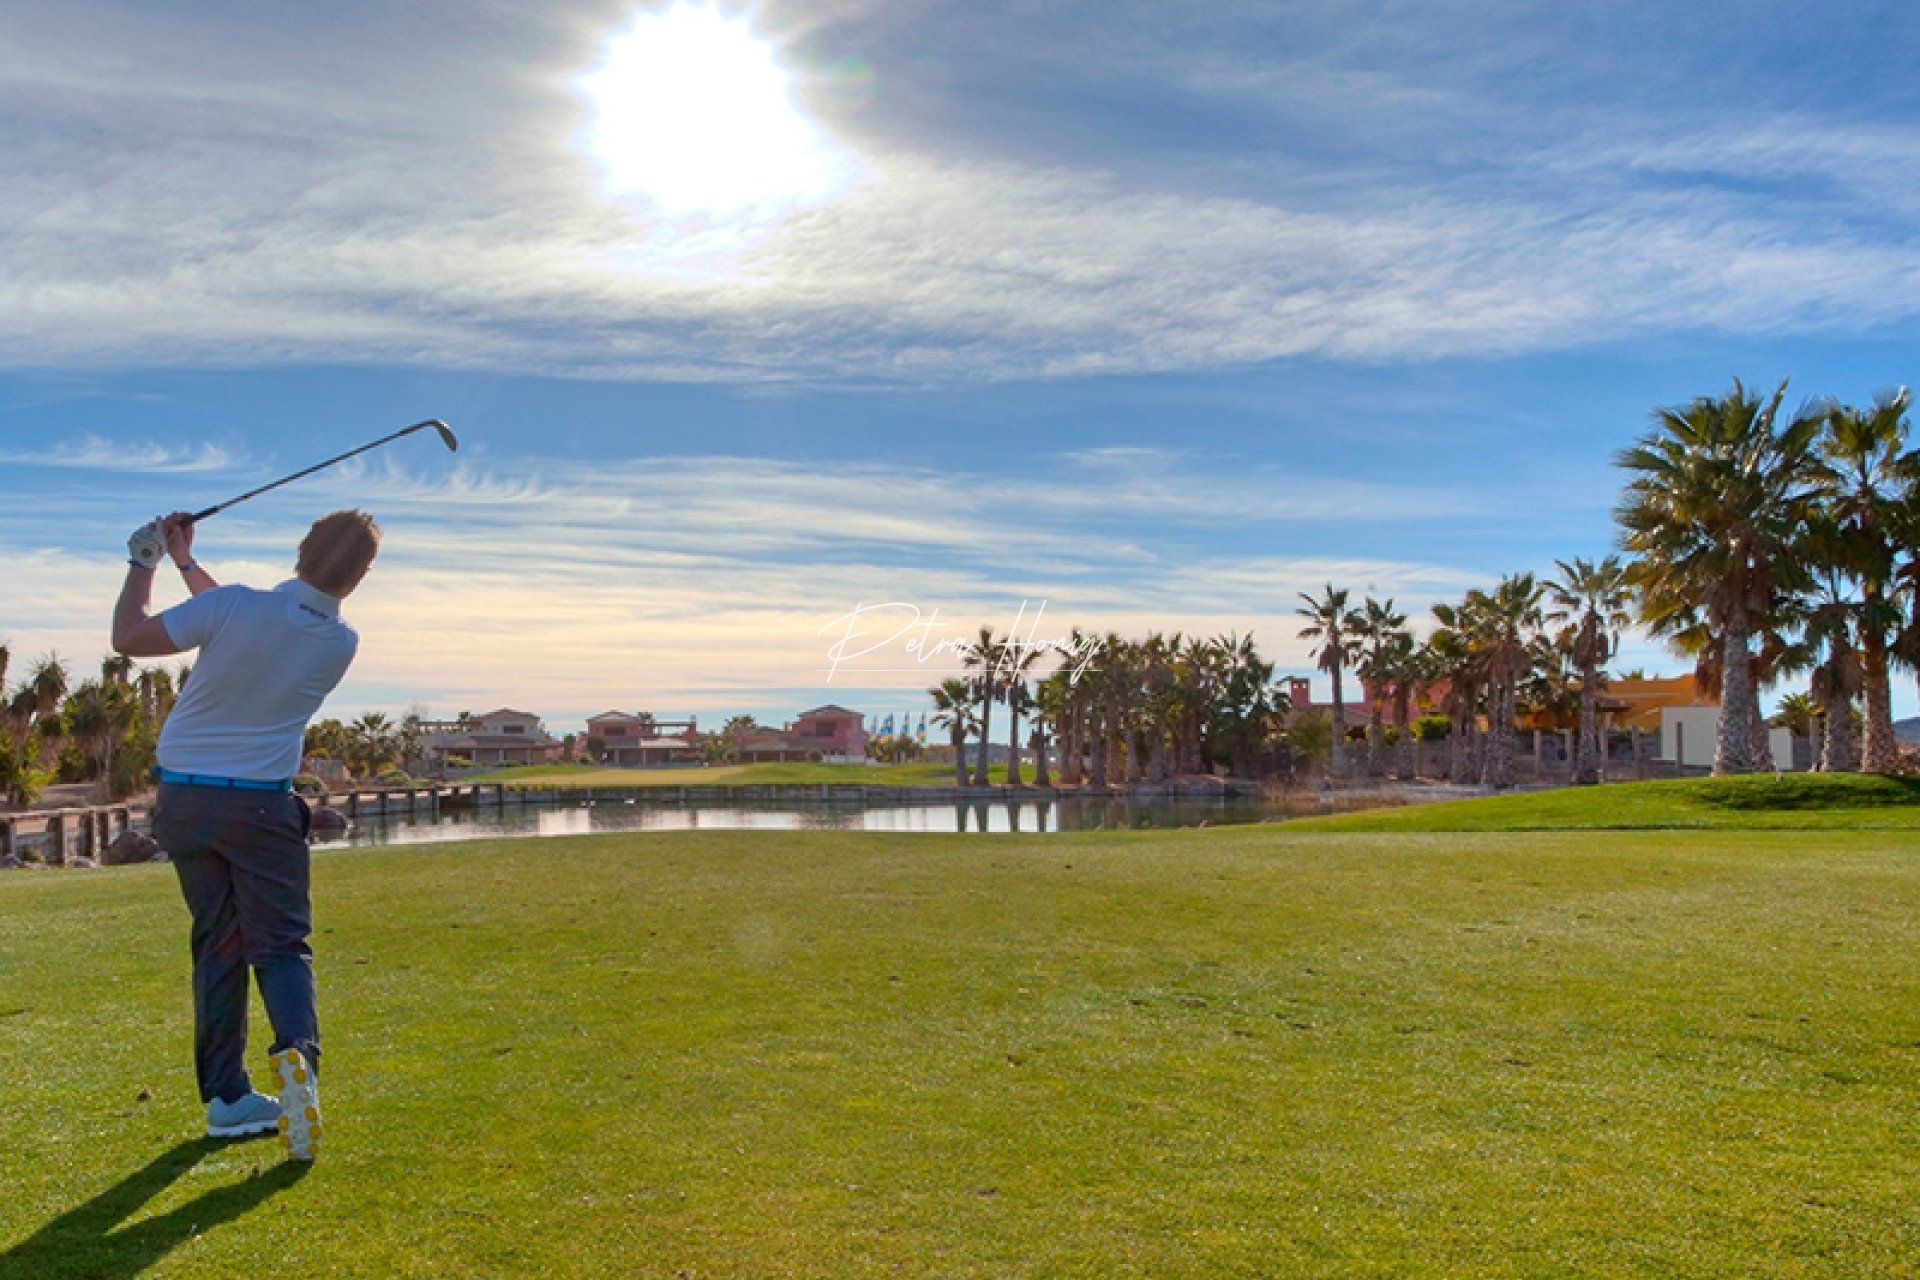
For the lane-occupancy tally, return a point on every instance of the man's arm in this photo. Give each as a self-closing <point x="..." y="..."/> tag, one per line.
<point x="179" y="530"/>
<point x="136" y="632"/>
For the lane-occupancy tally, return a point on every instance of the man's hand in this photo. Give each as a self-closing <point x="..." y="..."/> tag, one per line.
<point x="147" y="544"/>
<point x="178" y="529"/>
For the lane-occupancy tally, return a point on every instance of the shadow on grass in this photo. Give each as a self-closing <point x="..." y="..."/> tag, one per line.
<point x="83" y="1241"/>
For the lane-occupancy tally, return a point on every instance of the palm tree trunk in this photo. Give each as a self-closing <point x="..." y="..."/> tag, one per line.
<point x="980" y="778"/>
<point x="959" y="740"/>
<point x="1761" y="730"/>
<point x="1733" y="750"/>
<point x="1013" y="740"/>
<point x="1063" y="742"/>
<point x="1407" y="762"/>
<point x="1097" y="750"/>
<point x="1878" y="751"/>
<point x="1836" y="747"/>
<point x="1374" y="768"/>
<point x="1040" y="776"/>
<point x="1339" y="753"/>
<point x="1586" y="749"/>
<point x="1078" y="757"/>
<point x="1496" y="769"/>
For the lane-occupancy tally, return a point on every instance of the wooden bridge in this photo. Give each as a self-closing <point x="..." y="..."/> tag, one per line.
<point x="59" y="834"/>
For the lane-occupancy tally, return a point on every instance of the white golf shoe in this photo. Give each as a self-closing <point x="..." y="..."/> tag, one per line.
<point x="299" y="1104"/>
<point x="243" y="1117"/>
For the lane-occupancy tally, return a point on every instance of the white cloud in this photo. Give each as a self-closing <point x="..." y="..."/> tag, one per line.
<point x="401" y="220"/>
<point x="675" y="582"/>
<point x="90" y="452"/>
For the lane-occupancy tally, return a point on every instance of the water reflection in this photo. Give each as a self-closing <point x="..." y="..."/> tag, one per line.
<point x="1016" y="816"/>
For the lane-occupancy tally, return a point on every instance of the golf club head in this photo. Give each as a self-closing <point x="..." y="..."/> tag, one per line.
<point x="446" y="434"/>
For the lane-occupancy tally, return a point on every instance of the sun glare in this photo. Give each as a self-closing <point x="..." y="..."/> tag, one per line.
<point x="690" y="110"/>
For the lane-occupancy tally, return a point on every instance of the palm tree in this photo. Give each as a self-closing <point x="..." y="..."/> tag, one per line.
<point x="1509" y="616"/>
<point x="1116" y="752"/>
<point x="370" y="742"/>
<point x="1016" y="667"/>
<point x="1073" y="687"/>
<point x="1332" y="624"/>
<point x="983" y="658"/>
<point x="1379" y="641"/>
<point x="1712" y="513"/>
<point x="1796" y="713"/>
<point x="1457" y="660"/>
<point x="156" y="690"/>
<point x="953" y="711"/>
<point x="1412" y="671"/>
<point x="1837" y="672"/>
<point x="1250" y="707"/>
<point x="1165" y="705"/>
<point x="1048" y="702"/>
<point x="1868" y="476"/>
<point x="1200" y="673"/>
<point x="1590" y="602"/>
<point x="47" y="685"/>
<point x="99" y="714"/>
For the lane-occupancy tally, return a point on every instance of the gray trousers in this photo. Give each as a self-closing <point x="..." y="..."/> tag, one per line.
<point x="243" y="865"/>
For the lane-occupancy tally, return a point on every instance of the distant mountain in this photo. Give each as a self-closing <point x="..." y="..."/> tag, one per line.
<point x="1907" y="730"/>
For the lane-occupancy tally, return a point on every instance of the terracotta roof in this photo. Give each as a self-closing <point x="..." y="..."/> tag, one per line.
<point x="834" y="709"/>
<point x="500" y="740"/>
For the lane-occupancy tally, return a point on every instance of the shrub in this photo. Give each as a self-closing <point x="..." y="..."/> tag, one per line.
<point x="21" y="780"/>
<point x="308" y="785"/>
<point x="814" y="757"/>
<point x="1432" y="728"/>
<point x="72" y="764"/>
<point x="395" y="778"/>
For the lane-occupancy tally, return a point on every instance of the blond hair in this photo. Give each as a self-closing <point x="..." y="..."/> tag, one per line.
<point x="338" y="551"/>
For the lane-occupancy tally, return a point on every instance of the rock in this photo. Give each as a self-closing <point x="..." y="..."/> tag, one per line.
<point x="82" y="864"/>
<point x="328" y="824"/>
<point x="10" y="863"/>
<point x="130" y="847"/>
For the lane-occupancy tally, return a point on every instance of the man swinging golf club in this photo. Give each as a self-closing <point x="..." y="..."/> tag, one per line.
<point x="226" y="811"/>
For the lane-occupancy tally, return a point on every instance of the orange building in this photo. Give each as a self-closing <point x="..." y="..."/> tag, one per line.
<point x="1643" y="700"/>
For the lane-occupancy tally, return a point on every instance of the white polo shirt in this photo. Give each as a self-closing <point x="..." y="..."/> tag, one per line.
<point x="268" y="659"/>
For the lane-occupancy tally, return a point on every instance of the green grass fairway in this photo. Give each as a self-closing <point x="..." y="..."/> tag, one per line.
<point x="1756" y="802"/>
<point x="1234" y="1052"/>
<point x="578" y="776"/>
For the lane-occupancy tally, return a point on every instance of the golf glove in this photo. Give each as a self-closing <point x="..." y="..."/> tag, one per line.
<point x="147" y="545"/>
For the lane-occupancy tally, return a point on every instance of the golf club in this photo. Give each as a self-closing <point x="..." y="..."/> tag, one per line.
<point x="446" y="438"/>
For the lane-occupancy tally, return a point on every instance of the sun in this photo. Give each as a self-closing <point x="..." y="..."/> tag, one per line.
<point x="691" y="111"/>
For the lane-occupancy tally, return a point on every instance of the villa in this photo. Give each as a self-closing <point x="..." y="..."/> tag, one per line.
<point x="639" y="740"/>
<point x="501" y="737"/>
<point x="834" y="733"/>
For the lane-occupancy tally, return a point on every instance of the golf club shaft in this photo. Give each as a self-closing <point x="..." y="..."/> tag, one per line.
<point x="318" y="466"/>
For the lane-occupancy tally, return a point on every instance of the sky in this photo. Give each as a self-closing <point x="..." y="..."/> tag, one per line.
<point x="786" y="340"/>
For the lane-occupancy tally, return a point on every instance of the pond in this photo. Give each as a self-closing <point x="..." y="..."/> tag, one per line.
<point x="611" y="815"/>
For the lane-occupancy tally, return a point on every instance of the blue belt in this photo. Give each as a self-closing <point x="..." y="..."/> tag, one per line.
<point x="209" y="780"/>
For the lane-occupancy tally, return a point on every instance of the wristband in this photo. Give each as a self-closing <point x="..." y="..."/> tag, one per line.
<point x="135" y="564"/>
<point x="191" y="564"/>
